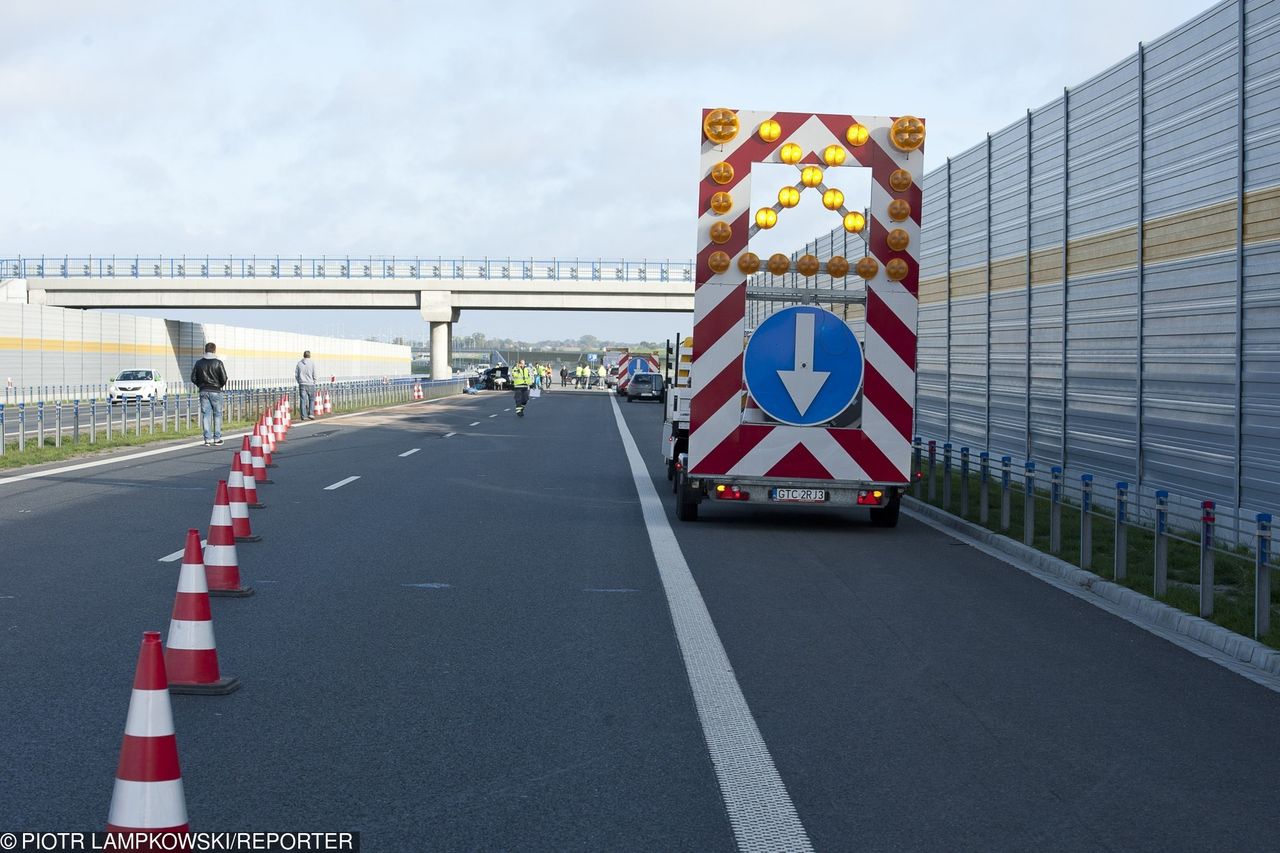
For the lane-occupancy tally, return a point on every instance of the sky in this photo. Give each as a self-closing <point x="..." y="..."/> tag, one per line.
<point x="500" y="129"/>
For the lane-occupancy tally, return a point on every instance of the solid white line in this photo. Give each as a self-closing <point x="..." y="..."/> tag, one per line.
<point x="341" y="483"/>
<point x="177" y="555"/>
<point x="475" y="423"/>
<point x="410" y="452"/>
<point x="760" y="809"/>
<point x="450" y="434"/>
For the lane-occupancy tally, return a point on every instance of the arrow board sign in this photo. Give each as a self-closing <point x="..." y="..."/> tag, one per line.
<point x="803" y="366"/>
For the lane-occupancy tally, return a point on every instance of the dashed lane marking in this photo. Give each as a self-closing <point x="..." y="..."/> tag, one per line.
<point x="410" y="452"/>
<point x="495" y="414"/>
<point x="590" y="589"/>
<point x="426" y="585"/>
<point x="341" y="483"/>
<point x="450" y="434"/>
<point x="177" y="555"/>
<point x="474" y="423"/>
<point x="760" y="809"/>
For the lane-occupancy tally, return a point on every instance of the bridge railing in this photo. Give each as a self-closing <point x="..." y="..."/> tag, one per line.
<point x="347" y="266"/>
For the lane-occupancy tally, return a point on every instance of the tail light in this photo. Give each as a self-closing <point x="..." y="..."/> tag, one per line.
<point x="731" y="493"/>
<point x="870" y="497"/>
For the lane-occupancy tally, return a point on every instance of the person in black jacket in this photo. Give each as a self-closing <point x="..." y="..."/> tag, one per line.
<point x="210" y="376"/>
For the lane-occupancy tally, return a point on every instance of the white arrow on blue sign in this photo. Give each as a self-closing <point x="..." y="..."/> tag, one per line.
<point x="803" y="366"/>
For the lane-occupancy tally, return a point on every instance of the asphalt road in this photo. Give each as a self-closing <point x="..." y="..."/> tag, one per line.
<point x="469" y="647"/>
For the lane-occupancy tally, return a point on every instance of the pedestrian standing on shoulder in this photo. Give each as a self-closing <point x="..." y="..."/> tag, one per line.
<point x="209" y="375"/>
<point x="521" y="379"/>
<point x="564" y="376"/>
<point x="305" y="375"/>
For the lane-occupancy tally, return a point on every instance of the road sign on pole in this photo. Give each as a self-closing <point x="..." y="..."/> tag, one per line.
<point x="803" y="366"/>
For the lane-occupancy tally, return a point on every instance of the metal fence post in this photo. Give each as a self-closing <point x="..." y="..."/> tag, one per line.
<point x="1086" y="521"/>
<point x="1006" y="478"/>
<point x="1122" y="530"/>
<point x="40" y="423"/>
<point x="75" y="425"/>
<point x="137" y="417"/>
<point x="933" y="459"/>
<point x="946" y="476"/>
<point x="22" y="427"/>
<point x="1262" y="577"/>
<point x="4" y="435"/>
<point x="917" y="452"/>
<point x="1055" y="509"/>
<point x="151" y="416"/>
<point x="57" y="424"/>
<point x="1207" y="519"/>
<point x="984" y="477"/>
<point x="1029" y="502"/>
<point x="964" y="482"/>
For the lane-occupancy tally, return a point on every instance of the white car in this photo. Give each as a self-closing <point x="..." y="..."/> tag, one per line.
<point x="136" y="385"/>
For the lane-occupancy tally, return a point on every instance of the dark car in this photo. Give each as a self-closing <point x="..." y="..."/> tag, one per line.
<point x="495" y="378"/>
<point x="645" y="386"/>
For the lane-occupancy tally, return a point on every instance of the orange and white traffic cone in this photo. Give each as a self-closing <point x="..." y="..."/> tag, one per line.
<point x="277" y="426"/>
<point x="268" y="441"/>
<point x="328" y="404"/>
<point x="190" y="655"/>
<point x="239" y="506"/>
<point x="417" y="390"/>
<point x="221" y="563"/>
<point x="148" y="793"/>
<point x="245" y="457"/>
<point x="259" y="462"/>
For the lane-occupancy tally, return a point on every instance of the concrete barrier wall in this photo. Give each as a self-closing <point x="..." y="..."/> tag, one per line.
<point x="42" y="347"/>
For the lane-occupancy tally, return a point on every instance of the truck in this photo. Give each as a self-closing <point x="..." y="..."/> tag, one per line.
<point x="805" y="408"/>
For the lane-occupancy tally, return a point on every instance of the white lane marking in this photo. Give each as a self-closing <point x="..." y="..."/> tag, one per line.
<point x="495" y="414"/>
<point x="505" y="410"/>
<point x="177" y="555"/>
<point x="410" y="452"/>
<point x="341" y="483"/>
<point x="450" y="434"/>
<point x="760" y="809"/>
<point x="474" y="423"/>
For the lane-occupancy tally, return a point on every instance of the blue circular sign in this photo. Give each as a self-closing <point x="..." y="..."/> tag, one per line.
<point x="803" y="366"/>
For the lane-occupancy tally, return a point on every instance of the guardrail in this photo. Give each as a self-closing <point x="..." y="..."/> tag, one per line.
<point x="1061" y="515"/>
<point x="42" y="423"/>
<point x="346" y="266"/>
<point x="32" y="394"/>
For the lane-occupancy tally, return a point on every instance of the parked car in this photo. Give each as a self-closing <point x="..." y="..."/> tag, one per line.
<point x="645" y="386"/>
<point x="611" y="378"/>
<point x="495" y="378"/>
<point x="136" y="385"/>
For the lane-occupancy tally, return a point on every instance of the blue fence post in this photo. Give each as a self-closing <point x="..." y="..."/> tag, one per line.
<point x="1207" y="520"/>
<point x="1055" y="509"/>
<point x="933" y="463"/>
<point x="946" y="475"/>
<point x="964" y="482"/>
<point x="75" y="418"/>
<point x="1006" y="478"/>
<point x="1122" y="530"/>
<point x="1029" y="502"/>
<point x="1262" y="577"/>
<point x="1160" y="574"/>
<point x="917" y="454"/>
<point x="57" y="422"/>
<point x="22" y="427"/>
<point x="108" y="414"/>
<point x="40" y="423"/>
<point x="93" y="421"/>
<point x="4" y="435"/>
<point x="1086" y="521"/>
<point x="984" y="478"/>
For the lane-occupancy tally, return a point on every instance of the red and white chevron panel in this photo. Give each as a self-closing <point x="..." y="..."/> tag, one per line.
<point x="723" y="439"/>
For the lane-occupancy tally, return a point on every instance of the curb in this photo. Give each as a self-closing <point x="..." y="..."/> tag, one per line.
<point x="1138" y="608"/>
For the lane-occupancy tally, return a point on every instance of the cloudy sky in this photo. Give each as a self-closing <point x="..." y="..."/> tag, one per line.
<point x="471" y="129"/>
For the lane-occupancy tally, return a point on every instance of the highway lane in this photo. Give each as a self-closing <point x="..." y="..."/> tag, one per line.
<point x="917" y="694"/>
<point x="466" y="645"/>
<point x="470" y="644"/>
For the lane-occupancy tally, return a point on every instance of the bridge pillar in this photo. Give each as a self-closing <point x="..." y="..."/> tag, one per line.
<point x="440" y="334"/>
<point x="437" y="309"/>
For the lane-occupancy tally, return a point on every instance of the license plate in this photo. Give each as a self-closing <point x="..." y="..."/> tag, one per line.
<point x="804" y="496"/>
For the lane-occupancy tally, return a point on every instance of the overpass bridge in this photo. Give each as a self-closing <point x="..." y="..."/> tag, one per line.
<point x="440" y="288"/>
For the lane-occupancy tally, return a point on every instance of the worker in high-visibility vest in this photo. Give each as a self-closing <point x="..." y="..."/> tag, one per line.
<point x="581" y="375"/>
<point x="521" y="379"/>
<point x="600" y="374"/>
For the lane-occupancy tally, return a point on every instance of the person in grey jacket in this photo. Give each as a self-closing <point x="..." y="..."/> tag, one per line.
<point x="209" y="375"/>
<point x="305" y="374"/>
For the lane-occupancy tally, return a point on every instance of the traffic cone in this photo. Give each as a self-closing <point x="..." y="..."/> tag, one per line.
<point x="268" y="442"/>
<point x="328" y="404"/>
<point x="269" y="437"/>
<point x="221" y="564"/>
<point x="259" y="463"/>
<point x="191" y="656"/>
<point x="239" y="506"/>
<point x="148" y="792"/>
<point x="245" y="458"/>
<point x="277" y="427"/>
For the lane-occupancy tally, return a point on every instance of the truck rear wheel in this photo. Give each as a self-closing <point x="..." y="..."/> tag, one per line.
<point x="887" y="516"/>
<point x="686" y="501"/>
